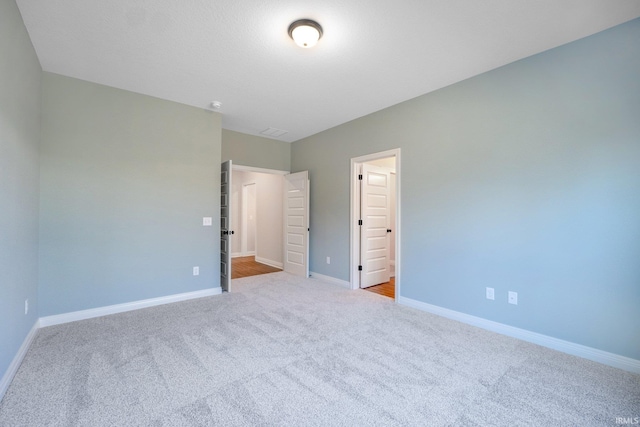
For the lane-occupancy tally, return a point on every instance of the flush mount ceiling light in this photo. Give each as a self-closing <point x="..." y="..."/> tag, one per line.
<point x="305" y="32"/>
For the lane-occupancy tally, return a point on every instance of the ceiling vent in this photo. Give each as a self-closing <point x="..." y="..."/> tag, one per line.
<point x="273" y="132"/>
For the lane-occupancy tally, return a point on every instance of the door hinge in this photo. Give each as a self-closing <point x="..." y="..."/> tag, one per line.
<point x="388" y="230"/>
<point x="359" y="222"/>
<point x="360" y="177"/>
<point x="359" y="268"/>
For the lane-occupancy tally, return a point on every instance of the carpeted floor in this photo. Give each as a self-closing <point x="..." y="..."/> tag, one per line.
<point x="282" y="350"/>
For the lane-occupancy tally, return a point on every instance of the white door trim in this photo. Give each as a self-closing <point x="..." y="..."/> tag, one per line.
<point x="354" y="276"/>
<point x="259" y="170"/>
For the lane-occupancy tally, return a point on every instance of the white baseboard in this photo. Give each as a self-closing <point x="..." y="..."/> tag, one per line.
<point x="17" y="360"/>
<point x="242" y="254"/>
<point x="330" y="279"/>
<point x="128" y="306"/>
<point x="600" y="356"/>
<point x="270" y="262"/>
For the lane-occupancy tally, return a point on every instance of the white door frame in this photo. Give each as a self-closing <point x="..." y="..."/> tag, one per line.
<point x="354" y="276"/>
<point x="236" y="167"/>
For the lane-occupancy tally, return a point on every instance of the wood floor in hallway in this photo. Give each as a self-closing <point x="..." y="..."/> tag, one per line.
<point x="247" y="266"/>
<point x="387" y="289"/>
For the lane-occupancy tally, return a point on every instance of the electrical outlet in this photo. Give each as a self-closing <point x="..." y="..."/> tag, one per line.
<point x="26" y="306"/>
<point x="490" y="293"/>
<point x="196" y="271"/>
<point x="328" y="260"/>
<point x="207" y="221"/>
<point x="513" y="298"/>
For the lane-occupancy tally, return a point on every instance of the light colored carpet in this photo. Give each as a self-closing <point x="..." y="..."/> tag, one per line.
<point x="282" y="350"/>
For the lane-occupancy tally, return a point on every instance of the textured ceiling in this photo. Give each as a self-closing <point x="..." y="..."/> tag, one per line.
<point x="373" y="54"/>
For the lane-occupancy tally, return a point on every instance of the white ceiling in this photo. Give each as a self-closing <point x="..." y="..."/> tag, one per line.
<point x="374" y="53"/>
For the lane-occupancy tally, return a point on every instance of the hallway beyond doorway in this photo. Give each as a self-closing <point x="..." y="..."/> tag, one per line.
<point x="388" y="289"/>
<point x="247" y="266"/>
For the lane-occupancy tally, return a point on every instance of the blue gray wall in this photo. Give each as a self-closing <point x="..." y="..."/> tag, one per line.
<point x="19" y="138"/>
<point x="525" y="178"/>
<point x="256" y="151"/>
<point x="125" y="182"/>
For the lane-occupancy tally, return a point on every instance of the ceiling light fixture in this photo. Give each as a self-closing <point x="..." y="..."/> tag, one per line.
<point x="305" y="32"/>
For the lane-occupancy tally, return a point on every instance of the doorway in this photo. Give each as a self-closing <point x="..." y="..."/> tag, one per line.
<point x="288" y="246"/>
<point x="257" y="219"/>
<point x="375" y="223"/>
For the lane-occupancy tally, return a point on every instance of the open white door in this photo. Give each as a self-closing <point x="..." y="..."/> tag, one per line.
<point x="225" y="226"/>
<point x="374" y="232"/>
<point x="296" y="223"/>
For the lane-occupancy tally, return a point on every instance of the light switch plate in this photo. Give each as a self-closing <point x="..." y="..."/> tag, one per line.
<point x="490" y="293"/>
<point x="207" y="221"/>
